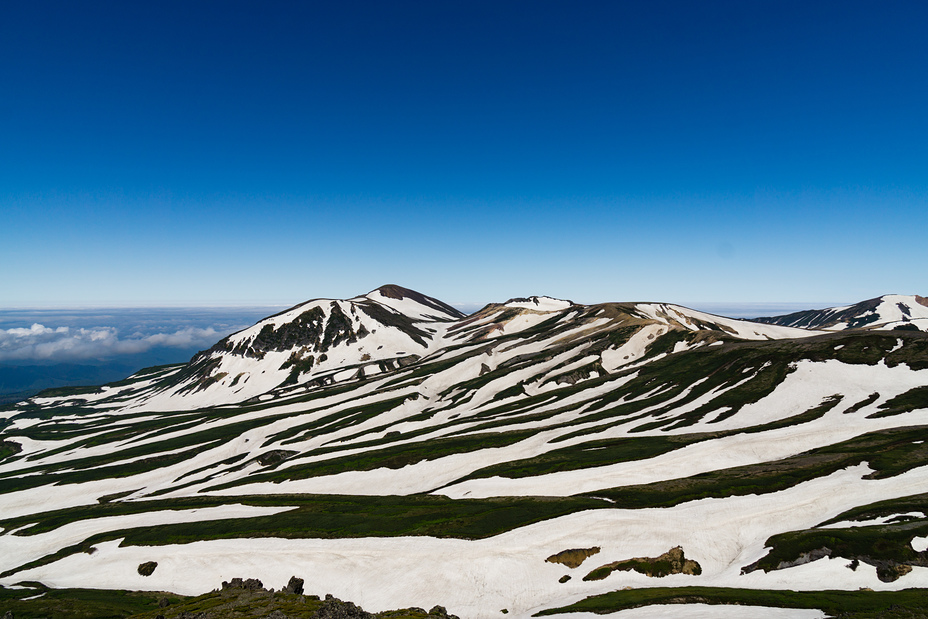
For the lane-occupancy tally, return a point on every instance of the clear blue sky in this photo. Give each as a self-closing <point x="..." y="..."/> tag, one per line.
<point x="268" y="152"/>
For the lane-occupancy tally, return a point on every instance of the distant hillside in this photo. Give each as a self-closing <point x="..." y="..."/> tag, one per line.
<point x="893" y="311"/>
<point x="536" y="456"/>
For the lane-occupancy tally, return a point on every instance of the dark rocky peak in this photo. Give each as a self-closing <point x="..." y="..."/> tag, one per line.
<point x="392" y="291"/>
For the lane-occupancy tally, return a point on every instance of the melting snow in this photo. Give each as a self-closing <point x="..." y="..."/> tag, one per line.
<point x="541" y="304"/>
<point x="920" y="544"/>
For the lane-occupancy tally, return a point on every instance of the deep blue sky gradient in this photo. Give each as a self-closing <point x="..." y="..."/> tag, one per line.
<point x="250" y="153"/>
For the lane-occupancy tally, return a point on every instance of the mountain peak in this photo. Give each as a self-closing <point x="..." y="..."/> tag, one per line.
<point x="398" y="298"/>
<point x="887" y="312"/>
<point x="540" y="303"/>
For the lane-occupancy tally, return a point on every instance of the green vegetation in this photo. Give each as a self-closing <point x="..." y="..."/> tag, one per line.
<point x="80" y="603"/>
<point x="313" y="516"/>
<point x="393" y="457"/>
<point x="888" y="452"/>
<point x="881" y="509"/>
<point x="671" y="562"/>
<point x="886" y="547"/>
<point x="9" y="448"/>
<point x="589" y="454"/>
<point x="844" y="604"/>
<point x="227" y="603"/>
<point x="903" y="403"/>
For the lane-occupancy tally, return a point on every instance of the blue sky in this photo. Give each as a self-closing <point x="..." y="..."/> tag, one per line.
<point x="213" y="153"/>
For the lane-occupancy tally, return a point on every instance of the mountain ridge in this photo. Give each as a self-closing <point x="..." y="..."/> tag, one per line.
<point x="448" y="474"/>
<point x="891" y="311"/>
<point x="324" y="341"/>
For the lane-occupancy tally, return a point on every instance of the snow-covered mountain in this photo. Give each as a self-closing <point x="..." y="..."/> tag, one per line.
<point x="328" y="341"/>
<point x="529" y="456"/>
<point x="891" y="311"/>
<point x="320" y="341"/>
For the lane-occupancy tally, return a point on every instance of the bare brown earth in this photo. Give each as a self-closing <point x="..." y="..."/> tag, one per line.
<point x="574" y="557"/>
<point x="671" y="562"/>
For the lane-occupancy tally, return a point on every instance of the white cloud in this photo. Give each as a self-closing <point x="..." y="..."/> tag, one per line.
<point x="42" y="343"/>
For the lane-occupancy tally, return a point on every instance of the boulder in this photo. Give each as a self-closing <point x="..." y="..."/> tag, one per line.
<point x="294" y="586"/>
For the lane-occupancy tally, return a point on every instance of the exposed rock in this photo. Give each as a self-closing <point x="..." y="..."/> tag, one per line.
<point x="250" y="584"/>
<point x="147" y="568"/>
<point x="333" y="608"/>
<point x="294" y="586"/>
<point x="806" y="557"/>
<point x="671" y="562"/>
<point x="274" y="457"/>
<point x="564" y="578"/>
<point x="574" y="557"/>
<point x="892" y="572"/>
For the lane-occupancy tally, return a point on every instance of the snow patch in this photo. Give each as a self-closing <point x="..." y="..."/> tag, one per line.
<point x="541" y="304"/>
<point x="920" y="544"/>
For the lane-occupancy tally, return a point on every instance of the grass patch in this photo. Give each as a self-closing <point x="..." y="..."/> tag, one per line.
<point x="887" y="547"/>
<point x="846" y="604"/>
<point x="314" y="516"/>
<point x="80" y="603"/>
<point x="889" y="452"/>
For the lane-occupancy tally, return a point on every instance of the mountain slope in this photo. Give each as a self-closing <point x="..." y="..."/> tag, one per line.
<point x="479" y="447"/>
<point x="320" y="341"/>
<point x="892" y="311"/>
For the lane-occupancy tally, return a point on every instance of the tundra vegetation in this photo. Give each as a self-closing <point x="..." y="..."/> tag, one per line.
<point x="549" y="428"/>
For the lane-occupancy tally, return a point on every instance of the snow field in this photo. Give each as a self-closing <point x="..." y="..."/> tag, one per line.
<point x="630" y="351"/>
<point x="740" y="328"/>
<point x="16" y="550"/>
<point x="541" y="304"/>
<point x="478" y="578"/>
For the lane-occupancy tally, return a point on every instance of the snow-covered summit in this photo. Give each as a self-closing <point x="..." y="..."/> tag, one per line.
<point x="694" y="320"/>
<point x="321" y="340"/>
<point x="891" y="311"/>
<point x="540" y="304"/>
<point x="326" y="341"/>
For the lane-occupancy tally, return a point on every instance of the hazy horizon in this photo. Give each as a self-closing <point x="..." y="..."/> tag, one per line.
<point x="58" y="347"/>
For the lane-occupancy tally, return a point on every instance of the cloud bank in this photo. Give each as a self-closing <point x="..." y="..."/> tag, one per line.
<point x="41" y="343"/>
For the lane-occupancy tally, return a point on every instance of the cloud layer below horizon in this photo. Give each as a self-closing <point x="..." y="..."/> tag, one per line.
<point x="131" y="335"/>
<point x="41" y="343"/>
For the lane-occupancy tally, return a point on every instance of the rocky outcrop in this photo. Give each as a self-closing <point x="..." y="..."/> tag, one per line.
<point x="671" y="562"/>
<point x="249" y="584"/>
<point x="887" y="570"/>
<point x="574" y="557"/>
<point x="275" y="457"/>
<point x="148" y="568"/>
<point x="334" y="608"/>
<point x="294" y="586"/>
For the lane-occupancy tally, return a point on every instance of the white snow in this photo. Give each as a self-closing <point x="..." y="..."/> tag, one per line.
<point x="920" y="544"/>
<point x="541" y="304"/>
<point x="477" y="578"/>
<point x="743" y="329"/>
<point x="844" y="524"/>
<point x="633" y="349"/>
<point x="889" y="314"/>
<point x="17" y="550"/>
